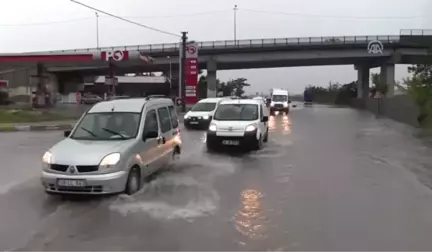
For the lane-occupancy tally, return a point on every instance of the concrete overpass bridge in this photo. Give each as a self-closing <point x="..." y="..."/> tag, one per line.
<point x="364" y="52"/>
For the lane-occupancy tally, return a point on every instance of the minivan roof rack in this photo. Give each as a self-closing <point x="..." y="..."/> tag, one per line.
<point x="155" y="97"/>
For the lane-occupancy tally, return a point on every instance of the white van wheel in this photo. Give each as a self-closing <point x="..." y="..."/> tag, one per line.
<point x="134" y="181"/>
<point x="258" y="144"/>
<point x="265" y="140"/>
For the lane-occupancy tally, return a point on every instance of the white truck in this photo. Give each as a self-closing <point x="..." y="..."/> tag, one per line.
<point x="279" y="101"/>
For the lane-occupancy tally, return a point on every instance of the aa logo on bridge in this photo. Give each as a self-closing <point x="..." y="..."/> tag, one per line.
<point x="375" y="47"/>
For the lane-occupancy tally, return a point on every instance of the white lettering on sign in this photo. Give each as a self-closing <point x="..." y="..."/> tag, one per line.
<point x="114" y="55"/>
<point x="375" y="47"/>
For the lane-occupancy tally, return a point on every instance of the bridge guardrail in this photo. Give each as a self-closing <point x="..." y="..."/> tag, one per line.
<point x="416" y="32"/>
<point x="247" y="43"/>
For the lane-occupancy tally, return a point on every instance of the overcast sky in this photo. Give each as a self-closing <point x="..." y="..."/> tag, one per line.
<point x="33" y="25"/>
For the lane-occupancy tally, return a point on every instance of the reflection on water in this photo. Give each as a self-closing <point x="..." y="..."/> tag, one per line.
<point x="280" y="123"/>
<point x="250" y="219"/>
<point x="286" y="125"/>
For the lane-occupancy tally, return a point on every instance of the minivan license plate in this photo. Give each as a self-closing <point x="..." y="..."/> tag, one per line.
<point x="230" y="142"/>
<point x="71" y="183"/>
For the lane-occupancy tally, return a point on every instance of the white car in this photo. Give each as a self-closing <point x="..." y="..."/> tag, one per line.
<point x="201" y="113"/>
<point x="242" y="123"/>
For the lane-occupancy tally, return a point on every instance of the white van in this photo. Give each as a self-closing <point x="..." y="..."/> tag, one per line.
<point x="113" y="148"/>
<point x="279" y="101"/>
<point x="242" y="123"/>
<point x="201" y="113"/>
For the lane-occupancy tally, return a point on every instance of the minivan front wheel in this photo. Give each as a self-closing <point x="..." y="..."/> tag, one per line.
<point x="134" y="181"/>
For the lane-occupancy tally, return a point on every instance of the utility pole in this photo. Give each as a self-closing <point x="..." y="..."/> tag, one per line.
<point x="183" y="71"/>
<point x="97" y="30"/>
<point x="170" y="69"/>
<point x="235" y="23"/>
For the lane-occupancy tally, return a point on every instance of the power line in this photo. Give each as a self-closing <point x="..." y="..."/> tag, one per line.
<point x="129" y="17"/>
<point x="185" y="15"/>
<point x="126" y="20"/>
<point x="207" y="13"/>
<point x="45" y="23"/>
<point x="327" y="16"/>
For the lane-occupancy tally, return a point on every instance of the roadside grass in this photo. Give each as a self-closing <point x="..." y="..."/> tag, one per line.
<point x="28" y="116"/>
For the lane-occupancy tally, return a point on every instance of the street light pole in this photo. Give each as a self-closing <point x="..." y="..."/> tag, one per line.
<point x="97" y="30"/>
<point x="183" y="70"/>
<point x="235" y="23"/>
<point x="170" y="72"/>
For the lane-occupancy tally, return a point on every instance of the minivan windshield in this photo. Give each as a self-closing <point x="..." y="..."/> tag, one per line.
<point x="236" y="112"/>
<point x="204" y="106"/>
<point x="280" y="98"/>
<point x="107" y="126"/>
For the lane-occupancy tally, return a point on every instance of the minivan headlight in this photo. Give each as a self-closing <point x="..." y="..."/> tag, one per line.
<point x="285" y="104"/>
<point x="272" y="104"/>
<point x="206" y="117"/>
<point x="47" y="158"/>
<point x="250" y="128"/>
<point x="213" y="127"/>
<point x="110" y="160"/>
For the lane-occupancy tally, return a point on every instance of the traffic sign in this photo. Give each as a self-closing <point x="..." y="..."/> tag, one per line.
<point x="179" y="101"/>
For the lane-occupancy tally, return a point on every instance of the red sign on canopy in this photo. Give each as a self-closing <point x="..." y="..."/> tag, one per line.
<point x="192" y="70"/>
<point x="4" y="83"/>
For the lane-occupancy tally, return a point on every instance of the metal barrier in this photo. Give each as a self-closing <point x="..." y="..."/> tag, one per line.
<point x="246" y="43"/>
<point x="416" y="32"/>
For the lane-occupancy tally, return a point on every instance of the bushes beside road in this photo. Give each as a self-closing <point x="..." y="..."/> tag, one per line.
<point x="27" y="116"/>
<point x="335" y="93"/>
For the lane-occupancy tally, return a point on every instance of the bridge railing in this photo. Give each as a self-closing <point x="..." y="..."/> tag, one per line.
<point x="246" y="43"/>
<point x="416" y="32"/>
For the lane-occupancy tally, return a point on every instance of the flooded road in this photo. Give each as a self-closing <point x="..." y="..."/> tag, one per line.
<point x="329" y="179"/>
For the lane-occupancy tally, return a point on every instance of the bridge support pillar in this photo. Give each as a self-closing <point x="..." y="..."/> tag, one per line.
<point x="211" y="79"/>
<point x="387" y="76"/>
<point x="362" y="81"/>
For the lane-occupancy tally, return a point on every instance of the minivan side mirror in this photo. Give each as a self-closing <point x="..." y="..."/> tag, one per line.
<point x="66" y="133"/>
<point x="150" y="135"/>
<point x="265" y="119"/>
<point x="289" y="101"/>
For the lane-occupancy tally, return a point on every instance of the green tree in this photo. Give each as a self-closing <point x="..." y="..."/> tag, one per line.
<point x="232" y="87"/>
<point x="378" y="85"/>
<point x="420" y="89"/>
<point x="202" y="87"/>
<point x="334" y="93"/>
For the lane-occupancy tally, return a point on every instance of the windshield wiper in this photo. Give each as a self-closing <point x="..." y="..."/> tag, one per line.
<point x="89" y="131"/>
<point x="114" y="133"/>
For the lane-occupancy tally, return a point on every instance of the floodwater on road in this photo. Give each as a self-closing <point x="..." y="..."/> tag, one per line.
<point x="328" y="179"/>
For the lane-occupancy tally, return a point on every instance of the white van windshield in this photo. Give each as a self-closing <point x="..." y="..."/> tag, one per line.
<point x="204" y="106"/>
<point x="280" y="98"/>
<point x="107" y="126"/>
<point x="236" y="112"/>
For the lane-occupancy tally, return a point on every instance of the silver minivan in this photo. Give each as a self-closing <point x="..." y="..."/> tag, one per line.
<point x="113" y="147"/>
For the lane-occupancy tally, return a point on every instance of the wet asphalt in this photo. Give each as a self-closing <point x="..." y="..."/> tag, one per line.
<point x="329" y="179"/>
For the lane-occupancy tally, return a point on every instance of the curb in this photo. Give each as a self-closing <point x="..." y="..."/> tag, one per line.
<point x="12" y="128"/>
